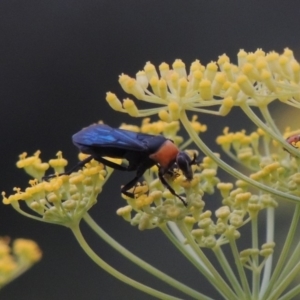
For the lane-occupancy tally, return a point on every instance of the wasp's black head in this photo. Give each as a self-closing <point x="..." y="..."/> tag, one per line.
<point x="184" y="163"/>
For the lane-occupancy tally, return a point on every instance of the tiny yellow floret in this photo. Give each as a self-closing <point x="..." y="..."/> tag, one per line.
<point x="113" y="101"/>
<point x="150" y="70"/>
<point x="130" y="107"/>
<point x="225" y="188"/>
<point x="59" y="162"/>
<point x="197" y="126"/>
<point x="226" y="106"/>
<point x="223" y="59"/>
<point x="245" y="85"/>
<point x="25" y="161"/>
<point x="27" y="250"/>
<point x="164" y="70"/>
<point x="284" y="64"/>
<point x="179" y="67"/>
<point x="142" y="79"/>
<point x="242" y="197"/>
<point x="205" y="89"/>
<point x="125" y="212"/>
<point x="195" y="79"/>
<point x="222" y="212"/>
<point x="232" y="91"/>
<point x="174" y="110"/>
<point x="196" y="65"/>
<point x="163" y="88"/>
<point x="211" y="71"/>
<point x="182" y="84"/>
<point x="296" y="71"/>
<point x="164" y="115"/>
<point x="218" y="83"/>
<point x="242" y="55"/>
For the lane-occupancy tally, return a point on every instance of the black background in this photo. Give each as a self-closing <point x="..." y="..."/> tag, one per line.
<point x="58" y="58"/>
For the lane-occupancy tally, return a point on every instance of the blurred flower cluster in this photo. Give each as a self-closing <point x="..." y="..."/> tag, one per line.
<point x="270" y="177"/>
<point x="16" y="259"/>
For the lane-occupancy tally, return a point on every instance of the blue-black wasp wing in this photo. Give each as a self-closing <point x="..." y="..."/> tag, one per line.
<point x="104" y="136"/>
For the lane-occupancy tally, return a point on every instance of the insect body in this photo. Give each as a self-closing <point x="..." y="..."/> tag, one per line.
<point x="142" y="151"/>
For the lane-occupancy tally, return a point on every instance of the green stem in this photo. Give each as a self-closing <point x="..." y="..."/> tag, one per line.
<point x="285" y="251"/>
<point x="141" y="263"/>
<point x="268" y="118"/>
<point x="172" y="226"/>
<point x="283" y="284"/>
<point x="185" y="144"/>
<point x="228" y="168"/>
<point x="240" y="267"/>
<point x="16" y="206"/>
<point x="255" y="271"/>
<point x="195" y="261"/>
<point x="228" y="271"/>
<point x="219" y="280"/>
<point x="293" y="260"/>
<point x="269" y="239"/>
<point x="101" y="263"/>
<point x="191" y="256"/>
<point x="291" y="294"/>
<point x="234" y="158"/>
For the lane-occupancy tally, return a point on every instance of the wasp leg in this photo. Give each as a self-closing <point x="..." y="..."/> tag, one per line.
<point x="129" y="185"/>
<point x="139" y="173"/>
<point x="110" y="164"/>
<point x="81" y="164"/>
<point x="166" y="184"/>
<point x="134" y="182"/>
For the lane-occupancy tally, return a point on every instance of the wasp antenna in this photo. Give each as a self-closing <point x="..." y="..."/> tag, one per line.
<point x="196" y="159"/>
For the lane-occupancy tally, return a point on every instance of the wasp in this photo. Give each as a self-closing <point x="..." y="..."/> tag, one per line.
<point x="142" y="151"/>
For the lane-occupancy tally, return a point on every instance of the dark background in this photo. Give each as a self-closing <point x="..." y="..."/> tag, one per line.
<point x="57" y="60"/>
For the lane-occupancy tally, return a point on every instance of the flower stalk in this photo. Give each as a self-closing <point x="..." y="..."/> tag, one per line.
<point x="155" y="272"/>
<point x="102" y="264"/>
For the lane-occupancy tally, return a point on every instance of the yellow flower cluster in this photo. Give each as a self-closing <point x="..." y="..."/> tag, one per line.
<point x="279" y="168"/>
<point x="151" y="209"/>
<point x="239" y="208"/>
<point x="248" y="257"/>
<point x="62" y="199"/>
<point x="257" y="79"/>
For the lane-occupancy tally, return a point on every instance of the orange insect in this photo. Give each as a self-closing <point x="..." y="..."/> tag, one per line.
<point x="293" y="140"/>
